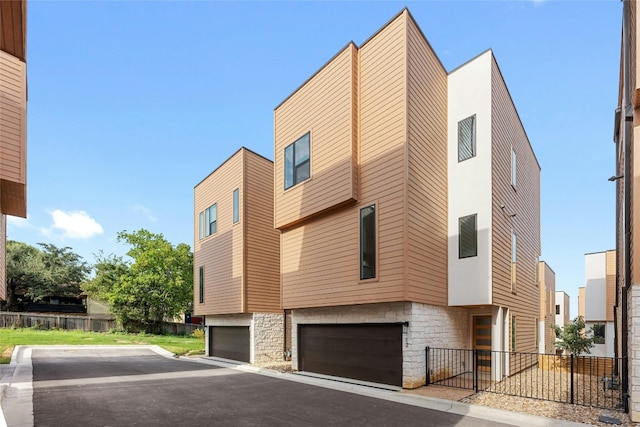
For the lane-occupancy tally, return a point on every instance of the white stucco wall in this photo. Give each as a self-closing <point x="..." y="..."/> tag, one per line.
<point x="595" y="273"/>
<point x="469" y="89"/>
<point x="442" y="327"/>
<point x="562" y="299"/>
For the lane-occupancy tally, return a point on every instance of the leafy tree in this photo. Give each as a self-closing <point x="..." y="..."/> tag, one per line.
<point x="572" y="339"/>
<point x="156" y="285"/>
<point x="39" y="273"/>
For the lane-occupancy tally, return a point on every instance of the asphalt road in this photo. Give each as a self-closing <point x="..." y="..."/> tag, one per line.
<point x="109" y="388"/>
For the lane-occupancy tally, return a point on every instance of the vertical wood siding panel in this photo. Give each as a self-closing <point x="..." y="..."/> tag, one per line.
<point x="13" y="99"/>
<point x="427" y="190"/>
<point x="507" y="131"/>
<point x="547" y="304"/>
<point x="320" y="257"/>
<point x="3" y="256"/>
<point x="261" y="239"/>
<point x="221" y="254"/>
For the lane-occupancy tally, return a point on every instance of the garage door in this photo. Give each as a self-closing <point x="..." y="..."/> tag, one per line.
<point x="229" y="342"/>
<point x="368" y="352"/>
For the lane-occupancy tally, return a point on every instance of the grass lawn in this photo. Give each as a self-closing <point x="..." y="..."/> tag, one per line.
<point x="9" y="338"/>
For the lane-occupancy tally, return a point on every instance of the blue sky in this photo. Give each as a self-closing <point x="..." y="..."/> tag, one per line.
<point x="131" y="104"/>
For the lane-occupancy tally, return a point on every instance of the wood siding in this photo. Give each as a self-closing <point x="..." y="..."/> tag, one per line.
<point x="611" y="284"/>
<point x="547" y="314"/>
<point x="427" y="171"/>
<point x="523" y="200"/>
<point x="262" y="241"/>
<point x="221" y="254"/>
<point x="3" y="256"/>
<point x="13" y="134"/>
<point x="13" y="28"/>
<point x="325" y="107"/>
<point x="320" y="258"/>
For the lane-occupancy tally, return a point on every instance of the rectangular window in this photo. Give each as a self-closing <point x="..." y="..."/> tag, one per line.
<point x="514" y="246"/>
<point x="467" y="236"/>
<point x="467" y="138"/>
<point x="513" y="333"/>
<point x="513" y="167"/>
<point x="201" y="283"/>
<point x="236" y="205"/>
<point x="368" y="242"/>
<point x="598" y="333"/>
<point x="201" y="225"/>
<point x="210" y="220"/>
<point x="557" y="308"/>
<point x="297" y="161"/>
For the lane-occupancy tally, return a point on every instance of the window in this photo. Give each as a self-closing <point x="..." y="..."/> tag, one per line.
<point x="598" y="333"/>
<point x="210" y="220"/>
<point x="557" y="308"/>
<point x="513" y="333"/>
<point x="514" y="246"/>
<point x="201" y="282"/>
<point x="297" y="161"/>
<point x="467" y="138"/>
<point x="538" y="271"/>
<point x="467" y="236"/>
<point x="201" y="225"/>
<point x="513" y="167"/>
<point x="236" y="205"/>
<point x="368" y="242"/>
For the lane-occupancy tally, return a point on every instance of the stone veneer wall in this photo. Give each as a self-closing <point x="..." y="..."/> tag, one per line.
<point x="429" y="325"/>
<point x="267" y="338"/>
<point x="266" y="334"/>
<point x="633" y="339"/>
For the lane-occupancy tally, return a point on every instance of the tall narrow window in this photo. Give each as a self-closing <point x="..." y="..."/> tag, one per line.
<point x="297" y="161"/>
<point x="513" y="167"/>
<point x="201" y="225"/>
<point x="514" y="246"/>
<point x="513" y="333"/>
<point x="201" y="283"/>
<point x="557" y="308"/>
<point x="236" y="205"/>
<point x="368" y="242"/>
<point x="467" y="138"/>
<point x="598" y="333"/>
<point x="210" y="219"/>
<point x="467" y="236"/>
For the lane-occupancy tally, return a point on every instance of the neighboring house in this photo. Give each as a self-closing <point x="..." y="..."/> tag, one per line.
<point x="627" y="308"/>
<point x="408" y="202"/>
<point x="563" y="306"/>
<point x="581" y="301"/>
<point x="13" y="121"/>
<point x="236" y="261"/>
<point x="547" y="284"/>
<point x="599" y="300"/>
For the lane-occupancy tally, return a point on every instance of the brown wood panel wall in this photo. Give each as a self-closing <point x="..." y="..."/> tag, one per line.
<point x="524" y="201"/>
<point x="3" y="256"/>
<point x="427" y="171"/>
<point x="221" y="254"/>
<point x="262" y="252"/>
<point x="13" y="28"/>
<point x="320" y="258"/>
<point x="13" y="106"/>
<point x="323" y="106"/>
<point x="547" y="286"/>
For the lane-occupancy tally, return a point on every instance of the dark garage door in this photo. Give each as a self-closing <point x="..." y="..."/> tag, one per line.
<point x="368" y="352"/>
<point x="229" y="342"/>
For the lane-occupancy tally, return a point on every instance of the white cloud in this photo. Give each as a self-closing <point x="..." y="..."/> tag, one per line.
<point x="17" y="222"/>
<point x="141" y="209"/>
<point x="538" y="2"/>
<point x="74" y="224"/>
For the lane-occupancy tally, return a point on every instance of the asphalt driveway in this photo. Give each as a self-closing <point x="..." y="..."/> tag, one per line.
<point x="138" y="387"/>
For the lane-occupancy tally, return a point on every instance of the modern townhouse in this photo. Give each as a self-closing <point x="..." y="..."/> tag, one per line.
<point x="408" y="200"/>
<point x="13" y="121"/>
<point x="563" y="307"/>
<point x="547" y="284"/>
<point x="627" y="301"/>
<point x="599" y="301"/>
<point x="236" y="261"/>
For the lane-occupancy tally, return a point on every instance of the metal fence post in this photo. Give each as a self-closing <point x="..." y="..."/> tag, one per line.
<point x="475" y="370"/>
<point x="426" y="350"/>
<point x="571" y="359"/>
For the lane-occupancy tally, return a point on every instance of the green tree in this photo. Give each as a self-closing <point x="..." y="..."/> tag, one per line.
<point x="572" y="339"/>
<point x="156" y="285"/>
<point x="24" y="268"/>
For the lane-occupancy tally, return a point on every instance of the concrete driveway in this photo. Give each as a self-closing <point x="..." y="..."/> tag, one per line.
<point x="144" y="386"/>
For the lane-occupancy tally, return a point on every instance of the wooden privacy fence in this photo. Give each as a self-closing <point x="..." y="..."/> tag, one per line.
<point x="85" y="323"/>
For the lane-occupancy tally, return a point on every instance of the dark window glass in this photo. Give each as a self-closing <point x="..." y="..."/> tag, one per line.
<point x="236" y="205"/>
<point x="598" y="334"/>
<point x="368" y="242"/>
<point x="513" y="333"/>
<point x="467" y="236"/>
<point x="211" y="214"/>
<point x="297" y="161"/>
<point x="201" y="283"/>
<point x="467" y="138"/>
<point x="557" y="308"/>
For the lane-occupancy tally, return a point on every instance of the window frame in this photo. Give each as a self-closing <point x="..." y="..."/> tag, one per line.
<point x="361" y="245"/>
<point x="475" y="236"/>
<point x="201" y="284"/>
<point x="208" y="222"/>
<point x="514" y="261"/>
<point x="473" y="138"/>
<point x="557" y="309"/>
<point x="514" y="330"/>
<point x="296" y="167"/>
<point x="236" y="205"/>
<point x="599" y="339"/>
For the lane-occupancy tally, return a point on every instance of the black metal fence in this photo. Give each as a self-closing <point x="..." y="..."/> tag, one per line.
<point x="581" y="380"/>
